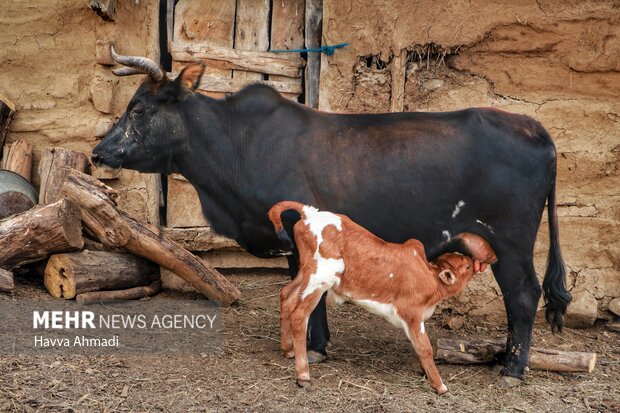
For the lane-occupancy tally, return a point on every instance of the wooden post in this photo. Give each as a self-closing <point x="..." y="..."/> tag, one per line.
<point x="7" y="110"/>
<point x="52" y="170"/>
<point x="251" y="31"/>
<point x="314" y="32"/>
<point x="456" y="351"/>
<point x="399" y="75"/>
<point x="67" y="275"/>
<point x="287" y="32"/>
<point x="18" y="158"/>
<point x="128" y="294"/>
<point x="39" y="232"/>
<point x="6" y="281"/>
<point x="115" y="228"/>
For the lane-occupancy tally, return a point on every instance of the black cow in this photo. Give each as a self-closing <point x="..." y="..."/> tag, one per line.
<point x="401" y="175"/>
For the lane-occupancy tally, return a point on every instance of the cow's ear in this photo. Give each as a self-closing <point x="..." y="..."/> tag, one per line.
<point x="447" y="277"/>
<point x="189" y="79"/>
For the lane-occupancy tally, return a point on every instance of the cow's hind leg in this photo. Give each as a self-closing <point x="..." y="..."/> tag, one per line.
<point x="514" y="272"/>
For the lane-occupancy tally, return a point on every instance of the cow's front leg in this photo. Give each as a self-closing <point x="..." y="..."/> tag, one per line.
<point x="424" y="350"/>
<point x="517" y="280"/>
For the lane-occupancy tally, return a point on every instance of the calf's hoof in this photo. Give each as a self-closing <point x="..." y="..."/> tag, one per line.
<point x="315" y="357"/>
<point x="304" y="383"/>
<point x="442" y="390"/>
<point x="508" y="382"/>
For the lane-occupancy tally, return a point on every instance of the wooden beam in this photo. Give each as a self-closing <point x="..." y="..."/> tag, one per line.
<point x="52" y="170"/>
<point x="399" y="69"/>
<point x="251" y="31"/>
<point x="287" y="31"/>
<point x="211" y="83"/>
<point x="313" y="35"/>
<point x="7" y="110"/>
<point x="115" y="295"/>
<point x="200" y="239"/>
<point x="284" y="64"/>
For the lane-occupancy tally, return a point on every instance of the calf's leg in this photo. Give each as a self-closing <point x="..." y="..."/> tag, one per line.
<point x="299" y="326"/>
<point x="289" y="298"/>
<point x="424" y="350"/>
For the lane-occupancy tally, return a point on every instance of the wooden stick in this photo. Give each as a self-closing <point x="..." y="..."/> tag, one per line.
<point x="456" y="351"/>
<point x="115" y="228"/>
<point x="313" y="34"/>
<point x="18" y="158"/>
<point x="284" y="64"/>
<point x="211" y="83"/>
<point x="200" y="239"/>
<point x="399" y="69"/>
<point x="7" y="110"/>
<point x="287" y="32"/>
<point x="6" y="281"/>
<point x="67" y="275"/>
<point x="39" y="232"/>
<point x="251" y="31"/>
<point x="52" y="170"/>
<point x="134" y="293"/>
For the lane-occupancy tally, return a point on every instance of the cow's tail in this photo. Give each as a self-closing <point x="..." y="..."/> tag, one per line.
<point x="557" y="296"/>
<point x="275" y="216"/>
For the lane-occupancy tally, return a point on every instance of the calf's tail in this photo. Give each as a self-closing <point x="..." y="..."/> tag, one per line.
<point x="557" y="296"/>
<point x="275" y="216"/>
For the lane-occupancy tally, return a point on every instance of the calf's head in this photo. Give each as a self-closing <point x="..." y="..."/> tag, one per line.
<point x="153" y="128"/>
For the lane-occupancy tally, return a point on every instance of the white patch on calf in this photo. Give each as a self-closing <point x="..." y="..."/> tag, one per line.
<point x="326" y="268"/>
<point x="428" y="313"/>
<point x="385" y="310"/>
<point x="415" y="253"/>
<point x="457" y="208"/>
<point x="422" y="327"/>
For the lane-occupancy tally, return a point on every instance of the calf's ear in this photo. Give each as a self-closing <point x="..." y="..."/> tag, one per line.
<point x="447" y="277"/>
<point x="189" y="78"/>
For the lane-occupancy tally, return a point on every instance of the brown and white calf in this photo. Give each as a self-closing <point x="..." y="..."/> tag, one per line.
<point x="392" y="280"/>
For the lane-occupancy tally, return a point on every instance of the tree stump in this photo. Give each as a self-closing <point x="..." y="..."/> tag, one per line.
<point x="52" y="170"/>
<point x="115" y="228"/>
<point x="67" y="275"/>
<point x="6" y="281"/>
<point x="18" y="158"/>
<point x="454" y="351"/>
<point x="134" y="293"/>
<point x="39" y="232"/>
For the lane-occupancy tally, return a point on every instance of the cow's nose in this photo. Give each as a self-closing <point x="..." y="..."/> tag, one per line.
<point x="95" y="158"/>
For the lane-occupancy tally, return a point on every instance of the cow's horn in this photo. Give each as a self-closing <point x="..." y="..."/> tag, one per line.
<point x="140" y="64"/>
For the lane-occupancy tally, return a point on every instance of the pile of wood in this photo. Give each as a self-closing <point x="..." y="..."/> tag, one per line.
<point x="74" y="205"/>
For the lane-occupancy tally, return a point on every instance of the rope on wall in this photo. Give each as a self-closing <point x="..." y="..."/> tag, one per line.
<point x="328" y="50"/>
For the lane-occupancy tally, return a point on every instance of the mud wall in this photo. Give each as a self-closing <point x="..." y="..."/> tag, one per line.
<point x="63" y="98"/>
<point x="557" y="61"/>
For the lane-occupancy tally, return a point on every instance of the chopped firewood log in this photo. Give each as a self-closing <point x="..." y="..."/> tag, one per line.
<point x="454" y="351"/>
<point x="67" y="275"/>
<point x="7" y="110"/>
<point x="18" y="158"/>
<point x="52" y="170"/>
<point x="39" y="232"/>
<point x="6" y="281"/>
<point x="115" y="228"/>
<point x="134" y="293"/>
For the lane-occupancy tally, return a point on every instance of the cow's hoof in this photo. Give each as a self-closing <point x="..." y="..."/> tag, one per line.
<point x="315" y="357"/>
<point x="303" y="383"/>
<point x="508" y="382"/>
<point x="442" y="390"/>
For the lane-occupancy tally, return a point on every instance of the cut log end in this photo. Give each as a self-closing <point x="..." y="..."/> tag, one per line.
<point x="7" y="284"/>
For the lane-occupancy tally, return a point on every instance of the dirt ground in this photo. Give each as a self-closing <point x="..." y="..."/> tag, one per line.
<point x="371" y="368"/>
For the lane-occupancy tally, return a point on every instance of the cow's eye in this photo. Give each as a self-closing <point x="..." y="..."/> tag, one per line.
<point x="138" y="109"/>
